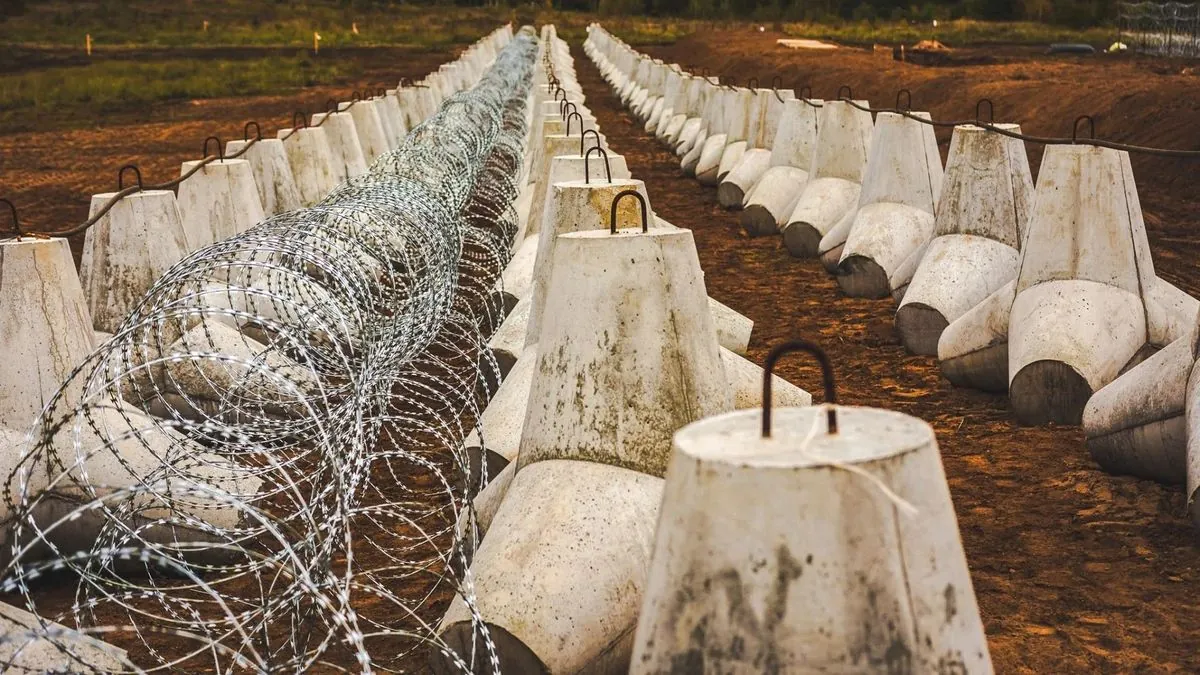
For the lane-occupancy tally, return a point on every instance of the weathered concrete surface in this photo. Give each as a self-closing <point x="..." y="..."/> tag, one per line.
<point x="821" y="570"/>
<point x="272" y="174"/>
<point x="900" y="191"/>
<point x="627" y="353"/>
<point x="834" y="183"/>
<point x="542" y="613"/>
<point x="218" y="201"/>
<point x="980" y="224"/>
<point x="342" y="136"/>
<point x="311" y="161"/>
<point x="1078" y="316"/>
<point x="127" y="250"/>
<point x="29" y="643"/>
<point x="371" y="136"/>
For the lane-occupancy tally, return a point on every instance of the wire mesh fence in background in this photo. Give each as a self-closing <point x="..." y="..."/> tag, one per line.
<point x="1161" y="28"/>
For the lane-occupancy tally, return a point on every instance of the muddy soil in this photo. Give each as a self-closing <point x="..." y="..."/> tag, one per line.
<point x="1076" y="571"/>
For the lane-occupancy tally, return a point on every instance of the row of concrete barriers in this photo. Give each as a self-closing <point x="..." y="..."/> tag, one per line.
<point x="1047" y="292"/>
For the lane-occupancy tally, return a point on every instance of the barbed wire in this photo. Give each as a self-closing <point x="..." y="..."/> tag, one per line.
<point x="262" y="470"/>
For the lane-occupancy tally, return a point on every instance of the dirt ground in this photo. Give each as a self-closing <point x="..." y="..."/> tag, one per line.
<point x="1076" y="571"/>
<point x="1138" y="100"/>
<point x="50" y="176"/>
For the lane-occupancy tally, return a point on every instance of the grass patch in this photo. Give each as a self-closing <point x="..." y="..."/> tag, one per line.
<point x="149" y="23"/>
<point x="958" y="32"/>
<point x="37" y="98"/>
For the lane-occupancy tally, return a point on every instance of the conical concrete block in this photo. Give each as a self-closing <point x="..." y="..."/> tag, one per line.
<point x="745" y="381"/>
<point x="744" y="175"/>
<point x="33" y="644"/>
<point x="900" y="191"/>
<point x="602" y="336"/>
<point x="342" y="136"/>
<point x="218" y="201"/>
<point x="578" y="206"/>
<point x="127" y="250"/>
<point x="272" y="174"/>
<point x="44" y="326"/>
<point x="507" y="343"/>
<point x="399" y="119"/>
<point x="517" y="279"/>
<point x="835" y="180"/>
<point x="312" y="162"/>
<point x="1078" y="316"/>
<point x="498" y="439"/>
<point x="772" y="199"/>
<point x="980" y="222"/>
<point x="973" y="349"/>
<point x="729" y="574"/>
<point x="383" y="111"/>
<point x="369" y="127"/>
<point x="569" y="167"/>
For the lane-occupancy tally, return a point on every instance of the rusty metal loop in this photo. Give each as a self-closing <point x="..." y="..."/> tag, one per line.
<point x="560" y="91"/>
<point x="826" y="377"/>
<point x="381" y="92"/>
<point x="907" y="99"/>
<point x="566" y="108"/>
<point x="299" y="119"/>
<point x="1091" y="128"/>
<point x="776" y="82"/>
<point x="583" y="137"/>
<point x="136" y="172"/>
<point x="849" y="92"/>
<point x="587" y="162"/>
<point x="356" y="95"/>
<point x="331" y="105"/>
<point x="991" y="110"/>
<point x="220" y="148"/>
<point x="612" y="216"/>
<point x="12" y="210"/>
<point x="752" y="83"/>
<point x="569" y="118"/>
<point x="246" y="131"/>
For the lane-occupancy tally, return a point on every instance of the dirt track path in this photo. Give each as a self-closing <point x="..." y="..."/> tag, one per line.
<point x="1076" y="571"/>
